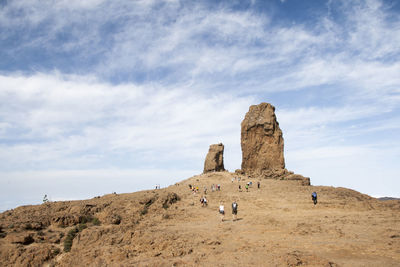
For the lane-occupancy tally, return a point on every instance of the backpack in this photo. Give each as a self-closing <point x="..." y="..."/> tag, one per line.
<point x="314" y="195"/>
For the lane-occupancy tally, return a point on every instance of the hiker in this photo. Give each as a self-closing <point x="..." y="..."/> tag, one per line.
<point x="240" y="188"/>
<point x="205" y="190"/>
<point x="314" y="197"/>
<point x="212" y="188"/>
<point x="222" y="211"/>
<point x="258" y="185"/>
<point x="204" y="202"/>
<point x="190" y="186"/>
<point x="247" y="188"/>
<point x="234" y="210"/>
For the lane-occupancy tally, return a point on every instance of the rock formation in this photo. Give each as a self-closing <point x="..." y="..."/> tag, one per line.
<point x="262" y="141"/>
<point x="214" y="159"/>
<point x="262" y="146"/>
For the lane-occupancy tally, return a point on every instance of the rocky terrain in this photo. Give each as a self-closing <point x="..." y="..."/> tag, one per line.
<point x="278" y="225"/>
<point x="214" y="159"/>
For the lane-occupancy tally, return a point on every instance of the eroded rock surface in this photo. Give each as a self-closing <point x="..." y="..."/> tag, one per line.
<point x="262" y="146"/>
<point x="214" y="159"/>
<point x="261" y="140"/>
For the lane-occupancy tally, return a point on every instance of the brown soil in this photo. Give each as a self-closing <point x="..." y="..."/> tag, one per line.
<point x="277" y="225"/>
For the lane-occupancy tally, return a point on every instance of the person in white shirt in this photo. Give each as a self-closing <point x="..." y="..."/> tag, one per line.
<point x="222" y="211"/>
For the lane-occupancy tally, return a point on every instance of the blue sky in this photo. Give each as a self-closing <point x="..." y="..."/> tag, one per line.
<point x="102" y="96"/>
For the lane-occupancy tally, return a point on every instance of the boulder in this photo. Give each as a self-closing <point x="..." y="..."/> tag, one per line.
<point x="261" y="141"/>
<point x="297" y="177"/>
<point x="214" y="159"/>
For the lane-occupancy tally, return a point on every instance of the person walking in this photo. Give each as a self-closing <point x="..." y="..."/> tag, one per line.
<point x="314" y="197"/>
<point x="234" y="210"/>
<point x="258" y="184"/>
<point x="222" y="211"/>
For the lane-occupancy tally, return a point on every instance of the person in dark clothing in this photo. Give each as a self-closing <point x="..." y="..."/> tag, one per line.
<point x="314" y="197"/>
<point x="234" y="210"/>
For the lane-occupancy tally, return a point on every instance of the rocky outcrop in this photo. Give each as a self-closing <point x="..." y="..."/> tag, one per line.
<point x="214" y="159"/>
<point x="261" y="140"/>
<point x="262" y="146"/>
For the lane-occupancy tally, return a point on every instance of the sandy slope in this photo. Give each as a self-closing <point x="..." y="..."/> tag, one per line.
<point x="277" y="226"/>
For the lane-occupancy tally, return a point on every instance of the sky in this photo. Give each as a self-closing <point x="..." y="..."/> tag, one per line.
<point x="116" y="96"/>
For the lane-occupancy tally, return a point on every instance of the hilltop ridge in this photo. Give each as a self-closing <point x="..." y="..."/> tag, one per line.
<point x="277" y="226"/>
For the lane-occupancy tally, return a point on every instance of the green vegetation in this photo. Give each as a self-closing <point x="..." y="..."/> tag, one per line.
<point x="95" y="221"/>
<point x="85" y="219"/>
<point x="89" y="219"/>
<point x="81" y="226"/>
<point x="72" y="233"/>
<point x="69" y="239"/>
<point x="55" y="252"/>
<point x="144" y="210"/>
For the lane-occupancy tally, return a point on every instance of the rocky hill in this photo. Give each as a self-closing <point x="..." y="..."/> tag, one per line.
<point x="277" y="225"/>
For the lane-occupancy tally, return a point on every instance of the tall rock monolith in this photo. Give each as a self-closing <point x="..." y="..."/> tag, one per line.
<point x="214" y="159"/>
<point x="262" y="146"/>
<point x="261" y="141"/>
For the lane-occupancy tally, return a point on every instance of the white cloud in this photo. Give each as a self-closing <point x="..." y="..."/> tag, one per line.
<point x="190" y="42"/>
<point x="154" y="87"/>
<point x="70" y="122"/>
